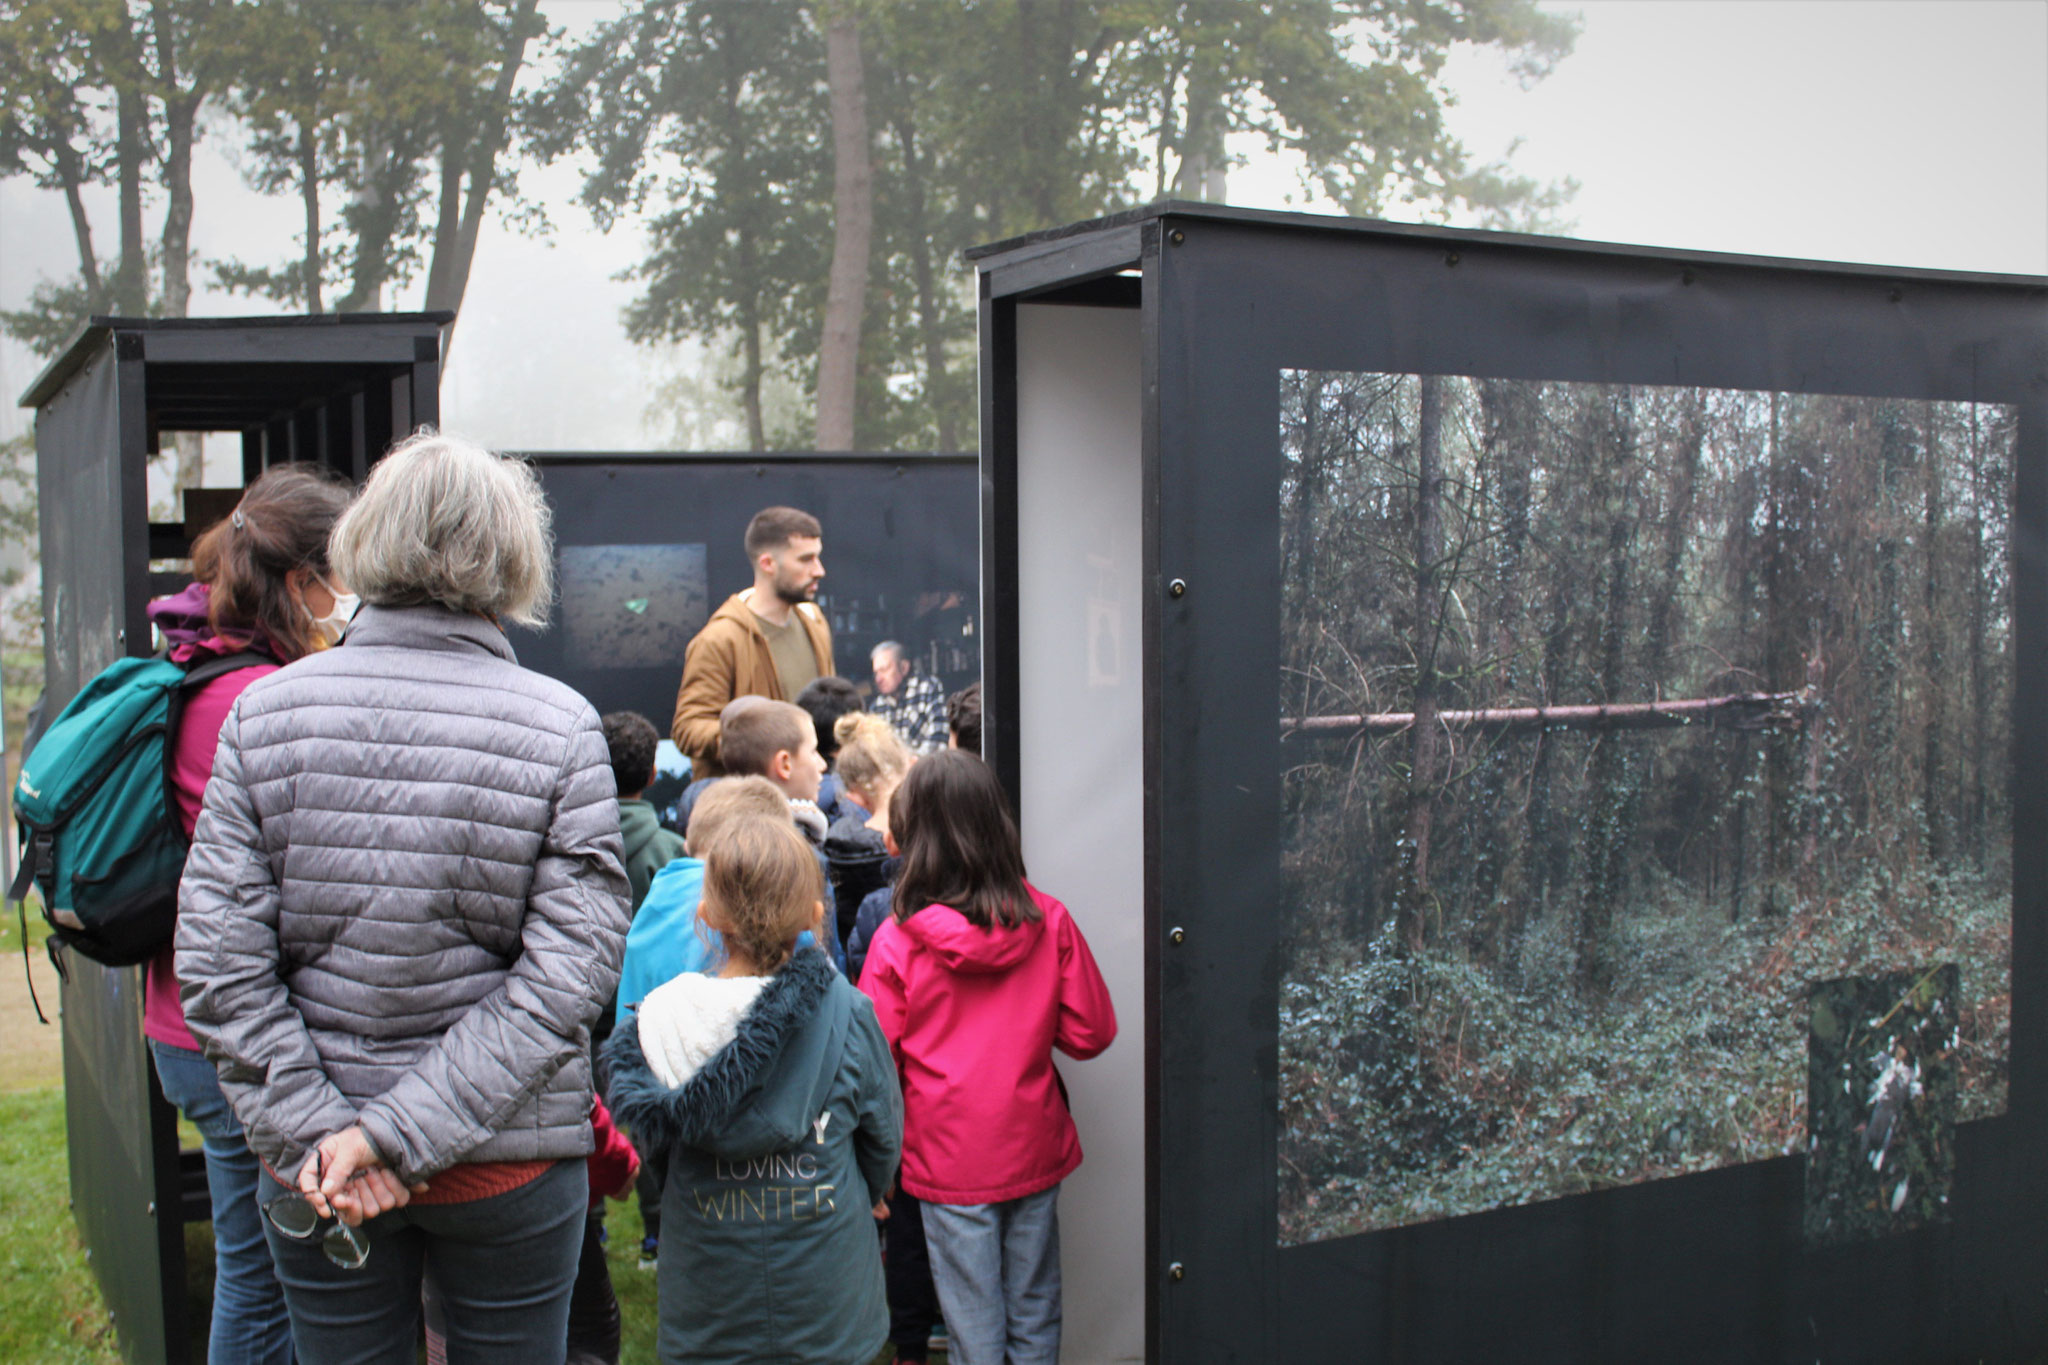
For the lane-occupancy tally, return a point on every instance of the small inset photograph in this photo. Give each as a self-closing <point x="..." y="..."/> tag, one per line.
<point x="1881" y="1103"/>
<point x="633" y="606"/>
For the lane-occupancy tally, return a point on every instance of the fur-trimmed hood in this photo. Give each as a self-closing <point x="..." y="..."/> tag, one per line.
<point x="745" y="1099"/>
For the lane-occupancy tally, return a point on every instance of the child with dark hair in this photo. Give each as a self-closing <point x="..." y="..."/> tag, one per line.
<point x="632" y="739"/>
<point x="963" y="719"/>
<point x="769" y="1092"/>
<point x="649" y="847"/>
<point x="826" y="700"/>
<point x="976" y="977"/>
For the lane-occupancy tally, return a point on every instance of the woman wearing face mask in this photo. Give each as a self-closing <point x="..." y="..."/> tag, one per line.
<point x="262" y="588"/>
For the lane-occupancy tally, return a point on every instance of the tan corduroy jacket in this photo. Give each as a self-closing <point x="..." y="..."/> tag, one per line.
<point x="730" y="658"/>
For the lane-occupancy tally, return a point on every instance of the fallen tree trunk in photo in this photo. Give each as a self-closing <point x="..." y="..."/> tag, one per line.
<point x="1742" y="711"/>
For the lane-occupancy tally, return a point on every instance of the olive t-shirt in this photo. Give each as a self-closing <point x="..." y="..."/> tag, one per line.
<point x="789" y="644"/>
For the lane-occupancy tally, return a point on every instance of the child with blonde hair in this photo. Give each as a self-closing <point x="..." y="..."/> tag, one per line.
<point x="872" y="759"/>
<point x="769" y="1093"/>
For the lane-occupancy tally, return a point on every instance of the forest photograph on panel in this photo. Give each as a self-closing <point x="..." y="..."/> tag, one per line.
<point x="1632" y="739"/>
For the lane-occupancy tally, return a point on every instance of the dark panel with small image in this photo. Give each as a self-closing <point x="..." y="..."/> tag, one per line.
<point x="648" y="546"/>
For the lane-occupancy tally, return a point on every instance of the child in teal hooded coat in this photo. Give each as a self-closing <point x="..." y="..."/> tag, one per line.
<point x="769" y="1092"/>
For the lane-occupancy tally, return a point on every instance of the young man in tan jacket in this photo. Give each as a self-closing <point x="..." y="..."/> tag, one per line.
<point x="769" y="641"/>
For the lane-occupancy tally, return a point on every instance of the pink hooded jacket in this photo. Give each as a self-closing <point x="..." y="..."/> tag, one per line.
<point x="972" y="1016"/>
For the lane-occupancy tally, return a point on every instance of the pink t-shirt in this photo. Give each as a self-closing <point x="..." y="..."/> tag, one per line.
<point x="191" y="765"/>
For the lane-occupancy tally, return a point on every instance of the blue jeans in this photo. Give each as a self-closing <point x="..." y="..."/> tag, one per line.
<point x="997" y="1270"/>
<point x="503" y="1267"/>
<point x="249" y="1319"/>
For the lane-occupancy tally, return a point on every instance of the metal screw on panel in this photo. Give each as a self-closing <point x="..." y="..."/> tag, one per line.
<point x="152" y="1208"/>
<point x="1176" y="1271"/>
<point x="1177" y="934"/>
<point x="1176" y="236"/>
<point x="121" y="637"/>
<point x="1897" y="293"/>
<point x="1451" y="259"/>
<point x="1177" y="588"/>
<point x="1686" y="277"/>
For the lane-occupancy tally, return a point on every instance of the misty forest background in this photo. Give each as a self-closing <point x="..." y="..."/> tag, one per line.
<point x="802" y="175"/>
<point x="1527" y="957"/>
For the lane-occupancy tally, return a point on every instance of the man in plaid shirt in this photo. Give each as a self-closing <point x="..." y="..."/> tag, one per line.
<point x="912" y="702"/>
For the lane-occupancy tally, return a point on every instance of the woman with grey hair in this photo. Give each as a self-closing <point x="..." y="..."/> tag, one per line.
<point x="404" y="905"/>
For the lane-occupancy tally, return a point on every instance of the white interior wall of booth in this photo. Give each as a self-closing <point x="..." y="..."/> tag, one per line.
<point x="1082" y="765"/>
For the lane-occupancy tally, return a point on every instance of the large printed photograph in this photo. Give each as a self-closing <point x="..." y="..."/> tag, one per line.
<point x="1639" y="745"/>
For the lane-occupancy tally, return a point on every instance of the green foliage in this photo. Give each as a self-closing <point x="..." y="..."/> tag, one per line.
<point x="717" y="112"/>
<point x="1354" y="87"/>
<point x="19" y="524"/>
<point x="1421" y="1087"/>
<point x="987" y="121"/>
<point x="396" y="148"/>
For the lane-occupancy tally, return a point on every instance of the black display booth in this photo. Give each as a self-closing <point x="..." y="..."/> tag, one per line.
<point x="336" y="390"/>
<point x="1142" y="413"/>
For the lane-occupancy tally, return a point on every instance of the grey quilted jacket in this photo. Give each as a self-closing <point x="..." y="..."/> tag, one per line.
<point x="405" y="901"/>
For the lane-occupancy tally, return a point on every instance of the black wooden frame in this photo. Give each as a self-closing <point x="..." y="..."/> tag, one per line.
<point x="1710" y="1266"/>
<point x="336" y="389"/>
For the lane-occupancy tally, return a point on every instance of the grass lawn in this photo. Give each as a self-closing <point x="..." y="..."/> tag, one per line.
<point x="50" y="1308"/>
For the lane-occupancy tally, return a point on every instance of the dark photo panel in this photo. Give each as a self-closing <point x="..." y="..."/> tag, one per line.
<point x="648" y="546"/>
<point x="1646" y="795"/>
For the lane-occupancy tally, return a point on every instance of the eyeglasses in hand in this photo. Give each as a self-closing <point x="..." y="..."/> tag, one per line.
<point x="292" y="1214"/>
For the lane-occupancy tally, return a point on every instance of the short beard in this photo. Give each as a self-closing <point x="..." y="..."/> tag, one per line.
<point x="795" y="597"/>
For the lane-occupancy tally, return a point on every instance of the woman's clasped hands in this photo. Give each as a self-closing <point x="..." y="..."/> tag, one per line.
<point x="345" y="1177"/>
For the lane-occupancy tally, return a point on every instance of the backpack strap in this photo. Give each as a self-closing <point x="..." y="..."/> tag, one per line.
<point x="199" y="675"/>
<point x="196" y="677"/>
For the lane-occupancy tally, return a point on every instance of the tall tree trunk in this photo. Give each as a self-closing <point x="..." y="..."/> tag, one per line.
<point x="447" y="218"/>
<point x="1786" y="525"/>
<point x="180" y="129"/>
<point x="309" y="198"/>
<point x="181" y="118"/>
<point x="1677" y="530"/>
<point x="477" y="159"/>
<point x="750" y="343"/>
<point x="1611" y="784"/>
<point x="853" y="212"/>
<point x="1932" y="812"/>
<point x="1204" y="161"/>
<point x="1507" y="450"/>
<point x="1887" y="775"/>
<point x="1980" y="675"/>
<point x="937" y="384"/>
<point x="72" y="172"/>
<point x="1422" y="758"/>
<point x="387" y="166"/>
<point x="131" y="276"/>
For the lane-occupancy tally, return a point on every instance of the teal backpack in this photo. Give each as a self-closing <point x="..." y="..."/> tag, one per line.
<point x="96" y="812"/>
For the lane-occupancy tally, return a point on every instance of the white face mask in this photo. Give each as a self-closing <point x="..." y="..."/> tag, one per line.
<point x="330" y="627"/>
